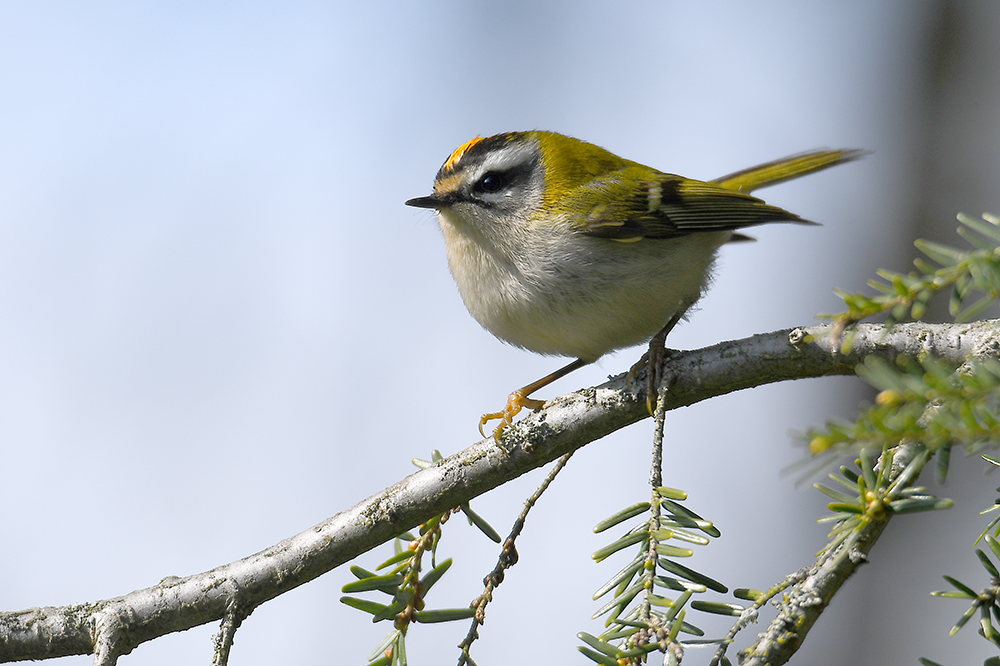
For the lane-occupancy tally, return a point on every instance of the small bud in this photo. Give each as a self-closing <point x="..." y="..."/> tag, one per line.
<point x="820" y="443"/>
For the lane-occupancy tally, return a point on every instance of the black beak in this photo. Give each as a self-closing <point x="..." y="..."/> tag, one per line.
<point x="427" y="202"/>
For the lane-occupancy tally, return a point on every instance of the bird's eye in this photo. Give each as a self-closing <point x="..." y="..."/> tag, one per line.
<point x="491" y="182"/>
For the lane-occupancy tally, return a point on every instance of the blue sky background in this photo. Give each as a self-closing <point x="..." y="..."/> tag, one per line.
<point x="219" y="324"/>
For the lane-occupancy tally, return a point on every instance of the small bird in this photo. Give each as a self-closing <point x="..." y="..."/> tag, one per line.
<point x="563" y="248"/>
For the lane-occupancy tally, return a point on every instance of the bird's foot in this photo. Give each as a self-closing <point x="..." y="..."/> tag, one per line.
<point x="516" y="401"/>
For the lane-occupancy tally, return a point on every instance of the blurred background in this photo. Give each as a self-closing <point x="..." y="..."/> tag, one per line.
<point x="219" y="325"/>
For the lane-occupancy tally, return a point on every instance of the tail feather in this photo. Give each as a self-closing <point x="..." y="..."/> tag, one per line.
<point x="786" y="168"/>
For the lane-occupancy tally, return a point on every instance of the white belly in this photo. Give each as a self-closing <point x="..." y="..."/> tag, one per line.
<point x="582" y="297"/>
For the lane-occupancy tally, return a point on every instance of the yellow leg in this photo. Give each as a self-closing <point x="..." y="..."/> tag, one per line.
<point x="519" y="399"/>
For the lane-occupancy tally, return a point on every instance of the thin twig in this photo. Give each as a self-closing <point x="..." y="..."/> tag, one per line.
<point x="508" y="558"/>
<point x="227" y="632"/>
<point x="655" y="480"/>
<point x="749" y="615"/>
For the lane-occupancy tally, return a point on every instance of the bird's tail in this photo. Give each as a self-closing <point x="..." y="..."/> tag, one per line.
<point x="778" y="171"/>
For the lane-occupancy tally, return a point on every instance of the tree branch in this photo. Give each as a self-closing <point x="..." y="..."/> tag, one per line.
<point x="114" y="627"/>
<point x="802" y="604"/>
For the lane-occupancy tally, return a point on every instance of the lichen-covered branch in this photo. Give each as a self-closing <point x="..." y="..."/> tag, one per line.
<point x="114" y="627"/>
<point x="802" y="604"/>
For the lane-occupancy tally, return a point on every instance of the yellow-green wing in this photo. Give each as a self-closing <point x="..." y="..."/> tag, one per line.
<point x="667" y="206"/>
<point x="638" y="202"/>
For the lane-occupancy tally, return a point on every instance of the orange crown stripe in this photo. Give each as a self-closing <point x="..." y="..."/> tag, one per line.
<point x="457" y="155"/>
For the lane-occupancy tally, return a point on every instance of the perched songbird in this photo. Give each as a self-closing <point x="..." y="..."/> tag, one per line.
<point x="565" y="249"/>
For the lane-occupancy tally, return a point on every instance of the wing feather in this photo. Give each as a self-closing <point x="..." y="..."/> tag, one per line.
<point x="667" y="206"/>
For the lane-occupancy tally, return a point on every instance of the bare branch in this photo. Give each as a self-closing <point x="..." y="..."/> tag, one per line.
<point x="114" y="627"/>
